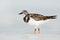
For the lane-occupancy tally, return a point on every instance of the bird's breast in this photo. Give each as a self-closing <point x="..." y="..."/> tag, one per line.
<point x="34" y="22"/>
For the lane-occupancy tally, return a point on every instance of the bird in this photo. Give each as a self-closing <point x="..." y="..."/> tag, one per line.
<point x="35" y="19"/>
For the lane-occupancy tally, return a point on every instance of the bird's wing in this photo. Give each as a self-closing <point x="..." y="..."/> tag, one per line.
<point x="37" y="17"/>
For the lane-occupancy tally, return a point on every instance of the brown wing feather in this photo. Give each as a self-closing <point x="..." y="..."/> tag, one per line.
<point x="37" y="17"/>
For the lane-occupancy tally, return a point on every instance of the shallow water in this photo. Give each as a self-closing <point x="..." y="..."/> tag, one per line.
<point x="19" y="34"/>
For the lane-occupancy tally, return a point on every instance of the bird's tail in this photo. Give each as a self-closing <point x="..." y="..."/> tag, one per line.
<point x="51" y="17"/>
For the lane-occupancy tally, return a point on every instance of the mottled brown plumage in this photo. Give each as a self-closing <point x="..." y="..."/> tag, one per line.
<point x="35" y="16"/>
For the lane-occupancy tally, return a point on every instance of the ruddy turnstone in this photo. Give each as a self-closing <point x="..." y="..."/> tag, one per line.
<point x="35" y="19"/>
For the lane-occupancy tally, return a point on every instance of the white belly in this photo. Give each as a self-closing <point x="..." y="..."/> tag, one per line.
<point x="36" y="23"/>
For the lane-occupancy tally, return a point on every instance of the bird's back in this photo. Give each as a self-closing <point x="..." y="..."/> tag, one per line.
<point x="39" y="17"/>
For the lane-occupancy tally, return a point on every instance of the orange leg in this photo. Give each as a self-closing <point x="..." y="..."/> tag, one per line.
<point x="34" y="30"/>
<point x="38" y="30"/>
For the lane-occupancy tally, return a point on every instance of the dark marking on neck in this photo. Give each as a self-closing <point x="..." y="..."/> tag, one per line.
<point x="26" y="18"/>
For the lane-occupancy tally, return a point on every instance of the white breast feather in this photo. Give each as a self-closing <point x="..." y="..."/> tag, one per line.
<point x="36" y="23"/>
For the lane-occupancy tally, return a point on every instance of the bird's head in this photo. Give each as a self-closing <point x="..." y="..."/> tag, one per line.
<point x="25" y="12"/>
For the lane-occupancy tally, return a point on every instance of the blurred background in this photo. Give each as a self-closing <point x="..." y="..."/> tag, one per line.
<point x="11" y="22"/>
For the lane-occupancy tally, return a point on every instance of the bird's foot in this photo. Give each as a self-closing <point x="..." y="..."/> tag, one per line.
<point x="35" y="31"/>
<point x="38" y="30"/>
